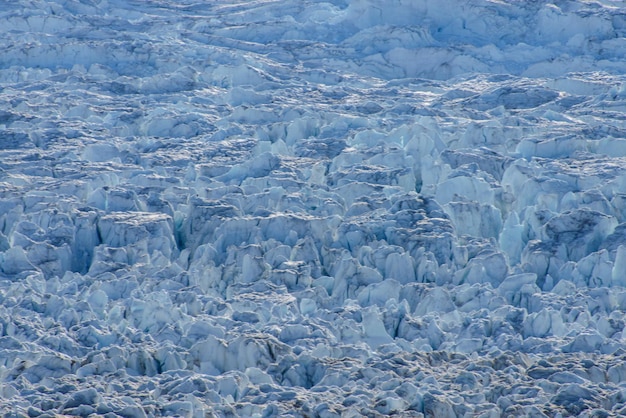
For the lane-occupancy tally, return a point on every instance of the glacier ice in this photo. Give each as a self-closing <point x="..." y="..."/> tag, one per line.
<point x="342" y="208"/>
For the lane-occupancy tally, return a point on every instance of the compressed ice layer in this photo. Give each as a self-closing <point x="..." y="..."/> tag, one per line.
<point x="323" y="209"/>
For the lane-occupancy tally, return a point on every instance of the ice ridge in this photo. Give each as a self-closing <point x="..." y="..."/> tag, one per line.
<point x="329" y="209"/>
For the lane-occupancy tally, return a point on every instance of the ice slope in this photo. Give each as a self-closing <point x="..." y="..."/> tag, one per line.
<point x="305" y="208"/>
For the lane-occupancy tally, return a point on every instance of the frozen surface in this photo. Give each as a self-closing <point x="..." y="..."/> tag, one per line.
<point x="302" y="208"/>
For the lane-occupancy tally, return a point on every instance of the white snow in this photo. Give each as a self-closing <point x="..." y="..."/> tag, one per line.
<point x="287" y="208"/>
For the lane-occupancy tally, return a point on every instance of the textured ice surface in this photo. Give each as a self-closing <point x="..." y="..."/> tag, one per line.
<point x="297" y="208"/>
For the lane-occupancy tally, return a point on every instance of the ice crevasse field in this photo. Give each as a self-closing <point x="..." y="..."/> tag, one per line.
<point x="304" y="208"/>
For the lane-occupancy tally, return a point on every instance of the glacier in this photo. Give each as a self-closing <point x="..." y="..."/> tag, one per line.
<point x="336" y="208"/>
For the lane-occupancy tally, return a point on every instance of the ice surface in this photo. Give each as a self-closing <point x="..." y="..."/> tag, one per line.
<point x="343" y="208"/>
